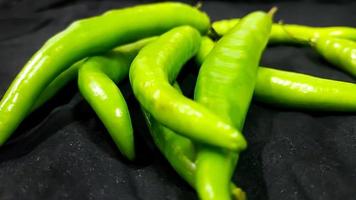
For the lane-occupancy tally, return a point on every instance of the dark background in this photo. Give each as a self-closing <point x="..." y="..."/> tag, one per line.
<point x="62" y="151"/>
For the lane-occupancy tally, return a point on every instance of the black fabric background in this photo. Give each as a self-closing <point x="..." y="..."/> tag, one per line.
<point x="62" y="151"/>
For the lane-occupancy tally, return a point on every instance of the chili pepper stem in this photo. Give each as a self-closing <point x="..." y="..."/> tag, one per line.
<point x="212" y="33"/>
<point x="198" y="5"/>
<point x="272" y="11"/>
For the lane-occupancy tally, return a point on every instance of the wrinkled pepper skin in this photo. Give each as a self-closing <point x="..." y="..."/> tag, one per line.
<point x="225" y="85"/>
<point x="76" y="42"/>
<point x="151" y="75"/>
<point x="339" y="52"/>
<point x="283" y="33"/>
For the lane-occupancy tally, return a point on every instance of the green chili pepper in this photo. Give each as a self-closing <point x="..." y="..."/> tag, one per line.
<point x="97" y="78"/>
<point x="225" y="85"/>
<point x="151" y="75"/>
<point x="207" y="44"/>
<point x="180" y="152"/>
<point x="295" y="90"/>
<point x="340" y="52"/>
<point x="130" y="50"/>
<point x="57" y="84"/>
<point x="96" y="84"/>
<point x="177" y="149"/>
<point x="76" y="42"/>
<point x="279" y="34"/>
<point x="96" y="81"/>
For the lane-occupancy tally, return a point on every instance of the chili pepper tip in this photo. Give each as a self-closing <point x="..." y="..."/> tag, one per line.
<point x="199" y="4"/>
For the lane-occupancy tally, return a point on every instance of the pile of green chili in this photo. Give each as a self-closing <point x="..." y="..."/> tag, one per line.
<point x="201" y="137"/>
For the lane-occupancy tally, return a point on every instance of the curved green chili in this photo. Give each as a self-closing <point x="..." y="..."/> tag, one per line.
<point x="339" y="52"/>
<point x="295" y="90"/>
<point x="57" y="84"/>
<point x="225" y="85"/>
<point x="96" y="80"/>
<point x="279" y="34"/>
<point x="130" y="50"/>
<point x="76" y="42"/>
<point x="180" y="152"/>
<point x="151" y="75"/>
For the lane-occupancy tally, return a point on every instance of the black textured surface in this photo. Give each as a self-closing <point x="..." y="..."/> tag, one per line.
<point x="62" y="151"/>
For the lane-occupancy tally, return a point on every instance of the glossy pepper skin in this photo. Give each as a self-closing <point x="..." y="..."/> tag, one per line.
<point x="280" y="33"/>
<point x="76" y="42"/>
<point x="300" y="91"/>
<point x="128" y="50"/>
<point x="180" y="152"/>
<point x="96" y="80"/>
<point x="225" y="85"/>
<point x="295" y="90"/>
<point x="96" y="85"/>
<point x="339" y="52"/>
<point x="57" y="84"/>
<point x="151" y="74"/>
